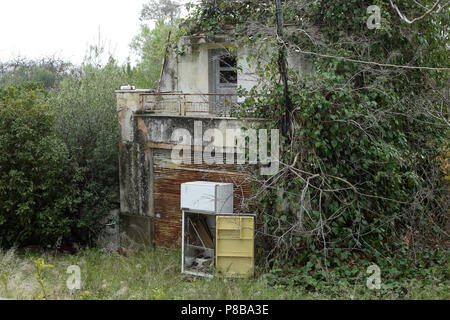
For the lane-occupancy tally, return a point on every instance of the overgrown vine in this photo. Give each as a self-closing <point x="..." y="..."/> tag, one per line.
<point x="362" y="179"/>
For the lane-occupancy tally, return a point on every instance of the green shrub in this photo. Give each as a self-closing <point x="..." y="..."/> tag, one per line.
<point x="86" y="120"/>
<point x="36" y="179"/>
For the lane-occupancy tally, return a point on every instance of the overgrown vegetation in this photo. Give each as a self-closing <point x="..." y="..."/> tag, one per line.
<point x="360" y="181"/>
<point x="37" y="194"/>
<point x="86" y="120"/>
<point x="151" y="43"/>
<point x="48" y="71"/>
<point x="59" y="151"/>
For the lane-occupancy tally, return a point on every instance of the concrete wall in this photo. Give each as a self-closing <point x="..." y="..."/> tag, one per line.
<point x="190" y="72"/>
<point x="135" y="195"/>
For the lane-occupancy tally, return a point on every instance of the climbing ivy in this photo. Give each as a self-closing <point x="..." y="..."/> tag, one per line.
<point x="362" y="181"/>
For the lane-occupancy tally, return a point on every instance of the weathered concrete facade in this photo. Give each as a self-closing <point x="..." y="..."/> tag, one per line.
<point x="150" y="180"/>
<point x="134" y="172"/>
<point x="192" y="71"/>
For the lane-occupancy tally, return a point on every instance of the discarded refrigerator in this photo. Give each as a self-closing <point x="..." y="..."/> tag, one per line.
<point x="214" y="240"/>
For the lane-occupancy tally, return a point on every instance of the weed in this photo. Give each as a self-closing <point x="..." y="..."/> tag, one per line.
<point x="40" y="266"/>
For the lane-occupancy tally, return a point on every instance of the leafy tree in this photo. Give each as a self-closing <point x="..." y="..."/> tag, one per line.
<point x="37" y="196"/>
<point x="49" y="71"/>
<point x="166" y="10"/>
<point x="150" y="45"/>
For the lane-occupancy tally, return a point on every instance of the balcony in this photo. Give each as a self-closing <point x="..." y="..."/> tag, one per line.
<point x="190" y="104"/>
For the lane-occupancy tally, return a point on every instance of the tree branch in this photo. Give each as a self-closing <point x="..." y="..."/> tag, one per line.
<point x="432" y="9"/>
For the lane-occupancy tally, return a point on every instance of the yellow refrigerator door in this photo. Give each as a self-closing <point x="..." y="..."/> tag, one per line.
<point x="235" y="245"/>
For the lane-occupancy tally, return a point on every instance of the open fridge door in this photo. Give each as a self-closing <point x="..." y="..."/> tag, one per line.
<point x="235" y="245"/>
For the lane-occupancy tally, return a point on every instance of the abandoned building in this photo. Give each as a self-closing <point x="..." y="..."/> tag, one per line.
<point x="197" y="88"/>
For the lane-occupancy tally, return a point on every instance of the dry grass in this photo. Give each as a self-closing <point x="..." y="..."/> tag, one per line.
<point x="154" y="274"/>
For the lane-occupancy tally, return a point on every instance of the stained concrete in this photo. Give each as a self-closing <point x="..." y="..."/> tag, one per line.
<point x="109" y="238"/>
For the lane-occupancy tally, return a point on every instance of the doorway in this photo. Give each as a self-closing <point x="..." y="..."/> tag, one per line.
<point x="224" y="81"/>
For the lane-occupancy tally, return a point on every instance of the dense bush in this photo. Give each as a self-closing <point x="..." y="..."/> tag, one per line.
<point x="86" y="120"/>
<point x="37" y="194"/>
<point x="59" y="151"/>
<point x="48" y="71"/>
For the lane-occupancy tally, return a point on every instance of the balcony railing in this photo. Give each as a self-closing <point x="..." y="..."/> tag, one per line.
<point x="223" y="105"/>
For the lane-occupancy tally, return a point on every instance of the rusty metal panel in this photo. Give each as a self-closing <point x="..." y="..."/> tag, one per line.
<point x="167" y="180"/>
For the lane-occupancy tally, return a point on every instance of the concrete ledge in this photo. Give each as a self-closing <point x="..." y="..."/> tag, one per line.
<point x="136" y="91"/>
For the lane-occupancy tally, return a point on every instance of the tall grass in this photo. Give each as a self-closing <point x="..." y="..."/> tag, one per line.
<point x="155" y="274"/>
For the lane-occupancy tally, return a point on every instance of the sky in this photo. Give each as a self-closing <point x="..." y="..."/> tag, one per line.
<point x="65" y="28"/>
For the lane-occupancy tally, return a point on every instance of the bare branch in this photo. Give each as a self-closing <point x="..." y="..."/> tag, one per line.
<point x="429" y="11"/>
